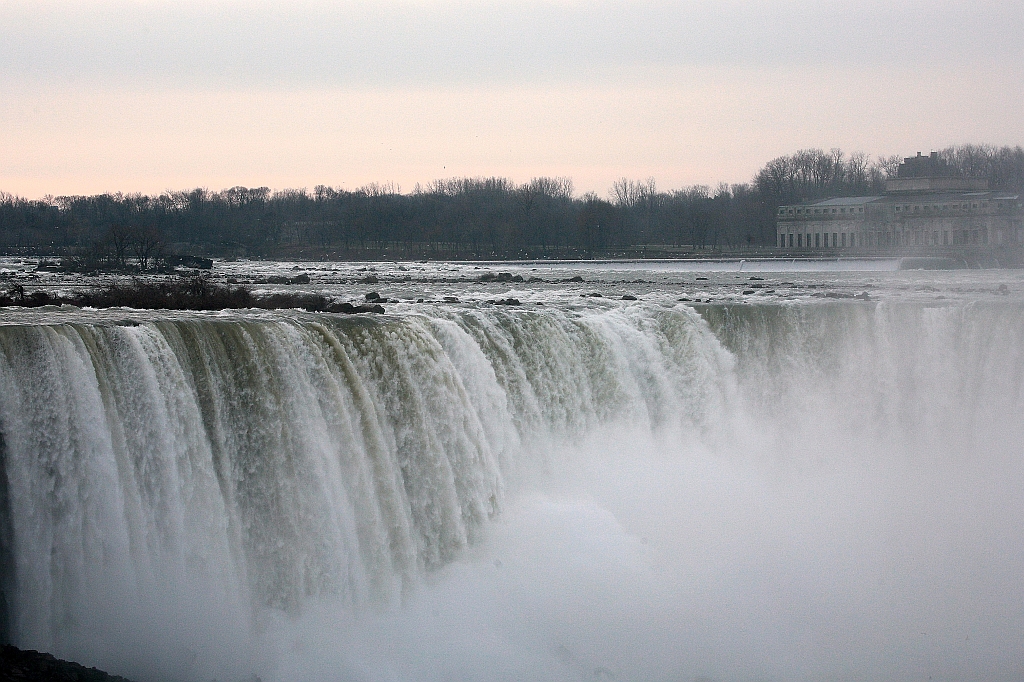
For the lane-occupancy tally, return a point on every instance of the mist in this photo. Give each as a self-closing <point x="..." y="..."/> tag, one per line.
<point x="718" y="569"/>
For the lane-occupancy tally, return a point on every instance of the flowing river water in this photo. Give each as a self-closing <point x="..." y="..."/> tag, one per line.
<point x="795" y="473"/>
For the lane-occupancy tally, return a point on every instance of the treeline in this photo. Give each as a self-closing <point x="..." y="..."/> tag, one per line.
<point x="460" y="217"/>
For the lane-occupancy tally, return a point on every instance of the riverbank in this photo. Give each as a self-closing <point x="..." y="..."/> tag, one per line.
<point x="35" y="666"/>
<point x="187" y="293"/>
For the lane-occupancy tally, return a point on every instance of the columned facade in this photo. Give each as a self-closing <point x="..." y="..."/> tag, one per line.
<point x="902" y="220"/>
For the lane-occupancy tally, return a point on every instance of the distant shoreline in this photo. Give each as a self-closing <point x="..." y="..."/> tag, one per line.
<point x="969" y="257"/>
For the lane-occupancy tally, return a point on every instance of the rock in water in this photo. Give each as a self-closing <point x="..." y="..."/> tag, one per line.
<point x="32" y="666"/>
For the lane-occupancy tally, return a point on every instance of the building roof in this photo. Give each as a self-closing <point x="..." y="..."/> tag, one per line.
<point x="924" y="198"/>
<point x="910" y="185"/>
<point x="939" y="197"/>
<point x="844" y="201"/>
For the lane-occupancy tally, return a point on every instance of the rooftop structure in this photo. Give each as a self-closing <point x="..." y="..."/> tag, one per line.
<point x="930" y="174"/>
<point x="919" y="166"/>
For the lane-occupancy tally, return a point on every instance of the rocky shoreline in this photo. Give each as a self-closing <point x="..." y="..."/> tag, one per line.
<point x="35" y="666"/>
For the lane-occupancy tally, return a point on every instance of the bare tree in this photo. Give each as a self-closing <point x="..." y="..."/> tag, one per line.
<point x="628" y="193"/>
<point x="857" y="170"/>
<point x="557" y="188"/>
<point x="146" y="244"/>
<point x="120" y="237"/>
<point x="889" y="165"/>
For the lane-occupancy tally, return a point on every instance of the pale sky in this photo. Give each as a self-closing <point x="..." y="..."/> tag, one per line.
<point x="152" y="95"/>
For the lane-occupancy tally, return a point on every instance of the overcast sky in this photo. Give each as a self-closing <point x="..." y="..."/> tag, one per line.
<point x="152" y="95"/>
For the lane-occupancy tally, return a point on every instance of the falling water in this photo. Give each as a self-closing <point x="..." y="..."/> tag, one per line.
<point x="774" y="491"/>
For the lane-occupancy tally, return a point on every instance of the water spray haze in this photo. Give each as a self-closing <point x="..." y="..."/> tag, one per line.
<point x="779" y="491"/>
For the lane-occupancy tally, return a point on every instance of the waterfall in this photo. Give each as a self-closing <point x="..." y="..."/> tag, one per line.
<point x="182" y="482"/>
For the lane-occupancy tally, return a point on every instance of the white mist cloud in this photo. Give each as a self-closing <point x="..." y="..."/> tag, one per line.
<point x="647" y="560"/>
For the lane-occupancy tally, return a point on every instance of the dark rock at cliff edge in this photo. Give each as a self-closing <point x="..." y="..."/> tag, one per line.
<point x="33" y="666"/>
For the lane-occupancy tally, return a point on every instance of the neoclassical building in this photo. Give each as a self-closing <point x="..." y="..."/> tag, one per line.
<point x="924" y="206"/>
